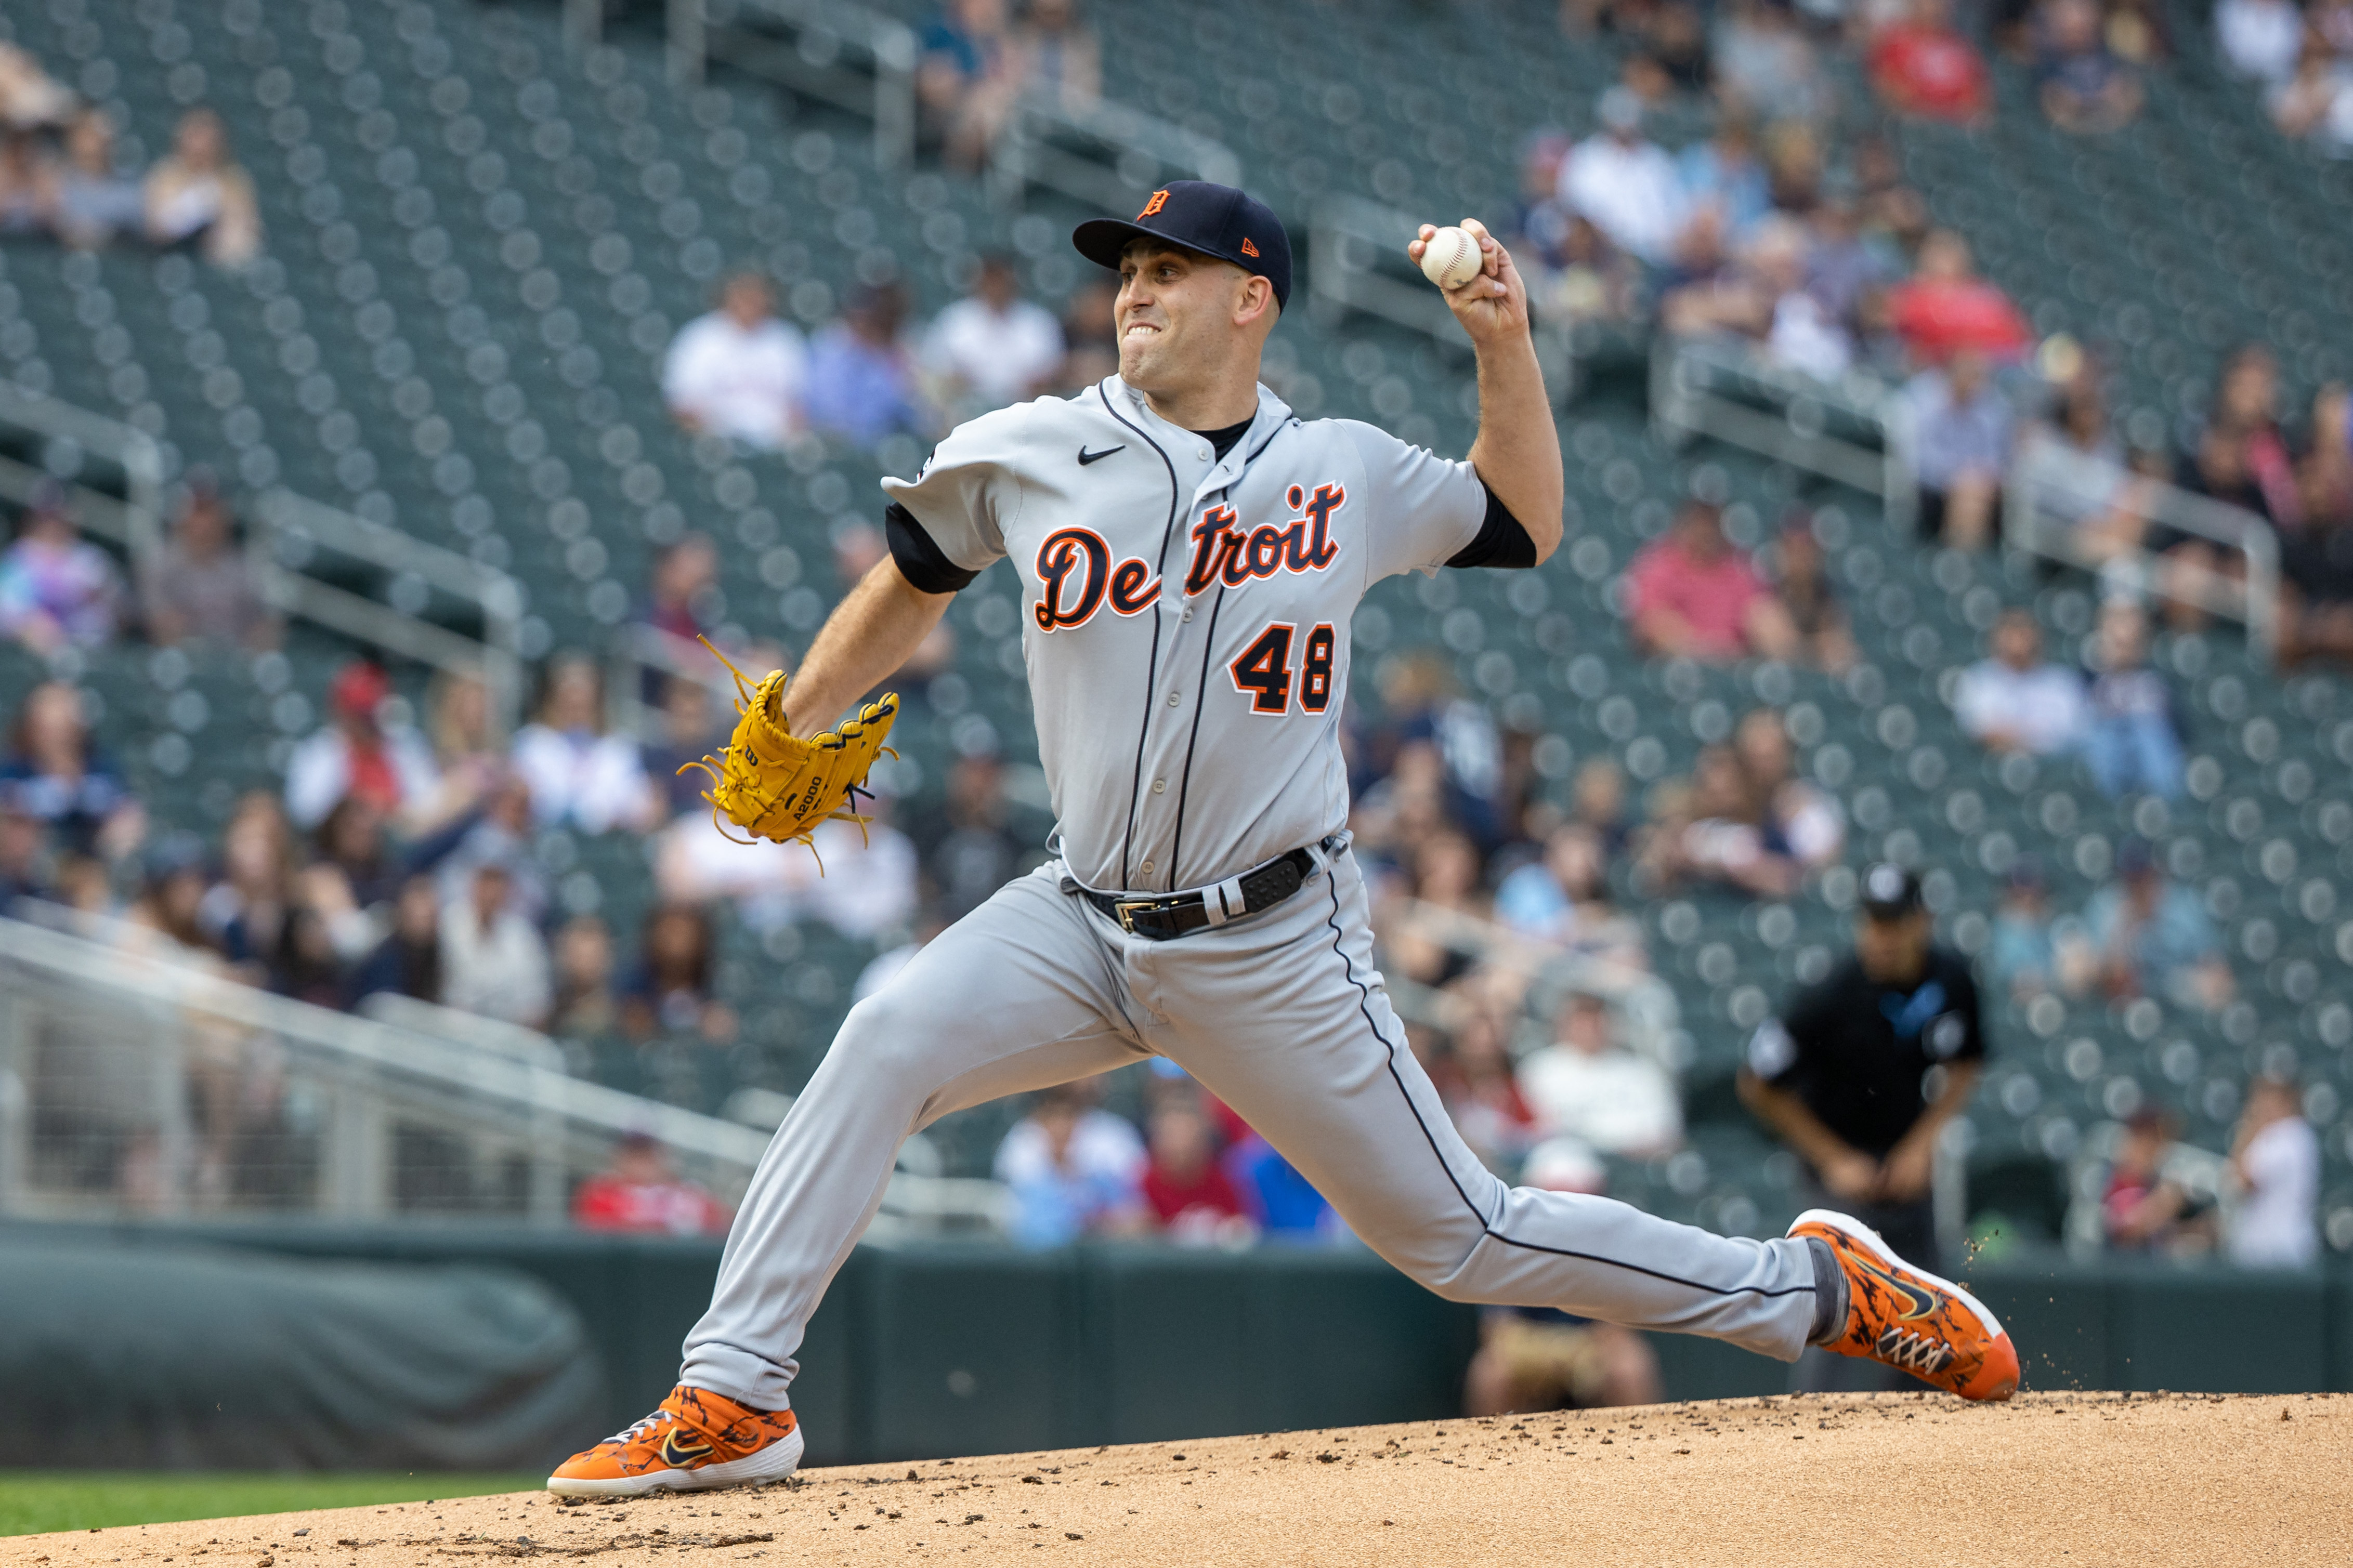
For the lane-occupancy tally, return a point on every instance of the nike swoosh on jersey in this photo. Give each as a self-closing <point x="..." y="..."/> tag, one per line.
<point x="679" y="1456"/>
<point x="1086" y="456"/>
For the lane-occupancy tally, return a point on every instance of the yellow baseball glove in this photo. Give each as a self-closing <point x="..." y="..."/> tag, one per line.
<point x="774" y="785"/>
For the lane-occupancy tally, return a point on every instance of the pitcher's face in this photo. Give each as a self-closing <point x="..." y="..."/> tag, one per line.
<point x="1175" y="314"/>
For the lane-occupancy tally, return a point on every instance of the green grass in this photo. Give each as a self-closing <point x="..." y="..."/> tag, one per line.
<point x="32" y="1502"/>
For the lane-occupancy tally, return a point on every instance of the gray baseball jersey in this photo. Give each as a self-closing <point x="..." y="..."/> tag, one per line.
<point x="1187" y="647"/>
<point x="1186" y="624"/>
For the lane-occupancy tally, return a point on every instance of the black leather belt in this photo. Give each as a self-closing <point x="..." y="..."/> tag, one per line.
<point x="1171" y="915"/>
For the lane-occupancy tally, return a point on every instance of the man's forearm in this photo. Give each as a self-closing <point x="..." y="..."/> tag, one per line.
<point x="1518" y="449"/>
<point x="870" y="634"/>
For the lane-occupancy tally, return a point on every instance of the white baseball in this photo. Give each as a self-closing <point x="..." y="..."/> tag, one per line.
<point x="1452" y="257"/>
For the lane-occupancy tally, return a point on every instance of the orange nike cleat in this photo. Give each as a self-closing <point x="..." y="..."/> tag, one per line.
<point x="694" y="1441"/>
<point x="1910" y="1319"/>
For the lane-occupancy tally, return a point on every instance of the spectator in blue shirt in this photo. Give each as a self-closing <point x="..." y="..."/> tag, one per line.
<point x="2019" y="960"/>
<point x="2131" y="743"/>
<point x="1563" y="897"/>
<point x="1723" y="174"/>
<point x="1286" y="1206"/>
<point x="1075" y="1169"/>
<point x="1960" y="445"/>
<point x="57" y="589"/>
<point x="2147" y="935"/>
<point x="861" y="385"/>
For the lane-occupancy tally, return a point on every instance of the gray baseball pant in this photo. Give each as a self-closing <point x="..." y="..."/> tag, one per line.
<point x="1282" y="1017"/>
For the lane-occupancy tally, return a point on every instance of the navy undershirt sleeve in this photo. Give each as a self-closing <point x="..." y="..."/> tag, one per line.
<point x="922" y="563"/>
<point x="1502" y="541"/>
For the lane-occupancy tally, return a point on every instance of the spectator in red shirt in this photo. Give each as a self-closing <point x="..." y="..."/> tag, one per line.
<point x="1187" y="1191"/>
<point x="1922" y="66"/>
<point x="1473" y="1077"/>
<point x="1943" y="308"/>
<point x="367" y="751"/>
<point x="639" y="1192"/>
<point x="1692" y="595"/>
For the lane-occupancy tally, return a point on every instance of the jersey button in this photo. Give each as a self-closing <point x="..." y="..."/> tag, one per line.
<point x="1160" y="786"/>
<point x="1205" y="454"/>
<point x="1174" y="698"/>
<point x="1145" y="867"/>
<point x="1189" y="613"/>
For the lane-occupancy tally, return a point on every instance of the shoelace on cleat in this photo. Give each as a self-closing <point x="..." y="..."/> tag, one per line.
<point x="642" y="1425"/>
<point x="1913" y="1351"/>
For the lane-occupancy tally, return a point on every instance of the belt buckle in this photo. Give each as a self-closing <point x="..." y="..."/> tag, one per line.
<point x="1125" y="911"/>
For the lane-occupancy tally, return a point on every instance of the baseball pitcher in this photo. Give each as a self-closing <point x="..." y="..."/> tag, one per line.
<point x="1191" y="552"/>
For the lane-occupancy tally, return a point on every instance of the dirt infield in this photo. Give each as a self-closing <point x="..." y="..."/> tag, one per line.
<point x="2079" y="1480"/>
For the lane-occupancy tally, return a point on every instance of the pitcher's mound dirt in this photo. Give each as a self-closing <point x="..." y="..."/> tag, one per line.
<point x="2076" y="1479"/>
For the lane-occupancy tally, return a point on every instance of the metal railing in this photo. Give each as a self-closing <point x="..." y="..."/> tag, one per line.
<point x="136" y="1079"/>
<point x="845" y="55"/>
<point x="294" y="540"/>
<point x="1859" y="432"/>
<point x="2052" y="486"/>
<point x="1104" y="153"/>
<point x="1356" y="262"/>
<point x="1855" y="431"/>
<point x="863" y="61"/>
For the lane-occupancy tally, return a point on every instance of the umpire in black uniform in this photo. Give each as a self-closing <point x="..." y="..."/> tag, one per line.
<point x="1861" y="1070"/>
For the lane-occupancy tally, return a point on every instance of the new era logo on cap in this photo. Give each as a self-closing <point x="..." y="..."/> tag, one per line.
<point x="1248" y="248"/>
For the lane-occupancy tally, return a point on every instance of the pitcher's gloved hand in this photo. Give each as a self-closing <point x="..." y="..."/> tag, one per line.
<point x="774" y="784"/>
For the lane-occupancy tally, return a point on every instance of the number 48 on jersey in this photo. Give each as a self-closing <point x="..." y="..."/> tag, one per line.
<point x="1264" y="672"/>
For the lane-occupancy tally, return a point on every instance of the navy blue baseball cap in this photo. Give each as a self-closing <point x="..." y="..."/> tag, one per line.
<point x="1889" y="892"/>
<point x="1215" y="220"/>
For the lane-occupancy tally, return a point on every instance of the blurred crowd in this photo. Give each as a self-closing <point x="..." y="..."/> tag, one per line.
<point x="743" y="373"/>
<point x="65" y="176"/>
<point x="414" y="852"/>
<point x="1778" y="227"/>
<point x="60" y="591"/>
<point x="2290" y="471"/>
<point x="2159" y="1196"/>
<point x="2301" y="58"/>
<point x="1787" y="232"/>
<point x="2086" y="58"/>
<point x="979" y="60"/>
<point x="873" y="373"/>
